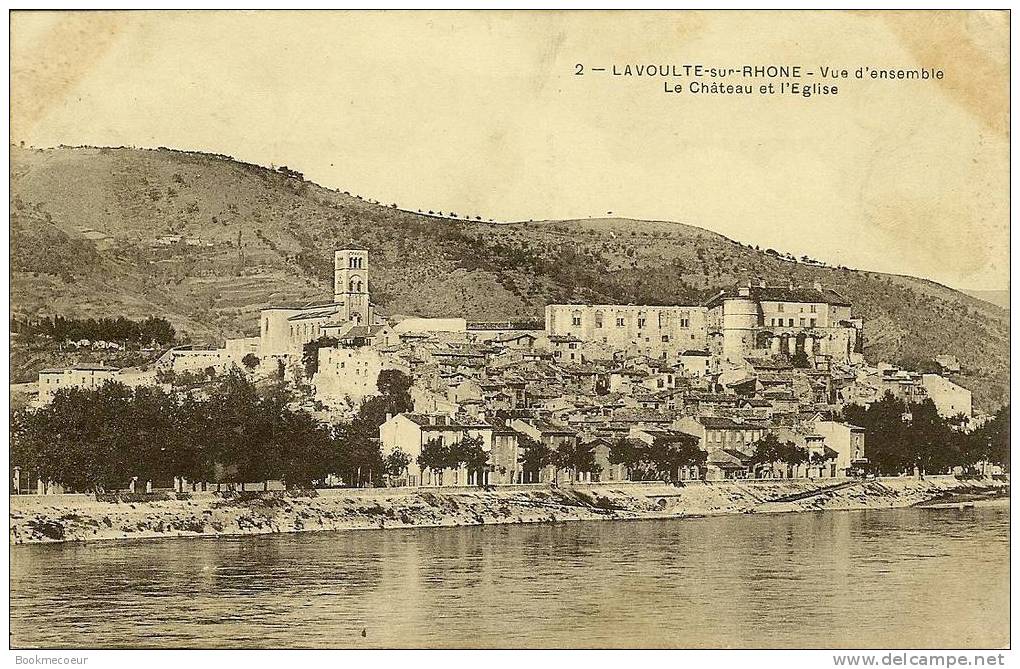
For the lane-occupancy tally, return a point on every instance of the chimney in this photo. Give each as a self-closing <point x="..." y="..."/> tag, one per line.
<point x="761" y="283"/>
<point x="744" y="291"/>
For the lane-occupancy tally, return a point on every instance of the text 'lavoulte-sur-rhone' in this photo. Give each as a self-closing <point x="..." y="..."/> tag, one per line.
<point x="689" y="70"/>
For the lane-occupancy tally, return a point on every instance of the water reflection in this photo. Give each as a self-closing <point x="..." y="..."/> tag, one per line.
<point x="906" y="577"/>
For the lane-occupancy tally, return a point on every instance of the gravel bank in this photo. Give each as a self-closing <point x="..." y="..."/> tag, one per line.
<point x="53" y="518"/>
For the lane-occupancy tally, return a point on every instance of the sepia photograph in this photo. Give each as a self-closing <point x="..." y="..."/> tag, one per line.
<point x="510" y="329"/>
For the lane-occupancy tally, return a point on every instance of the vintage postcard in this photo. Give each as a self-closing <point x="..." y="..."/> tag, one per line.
<point x="510" y="330"/>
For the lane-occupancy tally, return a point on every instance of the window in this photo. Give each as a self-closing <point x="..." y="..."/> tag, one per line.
<point x="575" y="319"/>
<point x="802" y="322"/>
<point x="685" y="319"/>
<point x="811" y="322"/>
<point x="790" y="323"/>
<point x="665" y="338"/>
<point x="779" y="307"/>
<point x="598" y="319"/>
<point x="640" y="322"/>
<point x="619" y="321"/>
<point x="814" y="309"/>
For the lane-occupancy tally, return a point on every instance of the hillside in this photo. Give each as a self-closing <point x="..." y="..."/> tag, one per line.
<point x="999" y="298"/>
<point x="86" y="224"/>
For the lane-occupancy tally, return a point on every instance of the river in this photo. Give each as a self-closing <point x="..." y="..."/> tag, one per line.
<point x="888" y="578"/>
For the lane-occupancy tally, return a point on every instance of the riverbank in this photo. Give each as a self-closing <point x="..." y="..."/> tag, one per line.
<point x="56" y="518"/>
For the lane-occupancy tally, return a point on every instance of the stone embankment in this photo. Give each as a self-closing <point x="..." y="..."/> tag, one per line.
<point x="49" y="518"/>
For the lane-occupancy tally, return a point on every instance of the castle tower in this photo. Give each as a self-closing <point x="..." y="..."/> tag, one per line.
<point x="350" y="284"/>
<point x="741" y="317"/>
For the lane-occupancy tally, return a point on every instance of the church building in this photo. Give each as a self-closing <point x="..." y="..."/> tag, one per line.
<point x="285" y="330"/>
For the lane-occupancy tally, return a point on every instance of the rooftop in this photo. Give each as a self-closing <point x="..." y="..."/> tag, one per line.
<point x="325" y="313"/>
<point x="800" y="294"/>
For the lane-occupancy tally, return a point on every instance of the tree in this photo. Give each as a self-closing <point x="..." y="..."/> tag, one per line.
<point x="793" y="455"/>
<point x="818" y="459"/>
<point x="240" y="427"/>
<point x="902" y="436"/>
<point x="468" y="453"/>
<point x="359" y="456"/>
<point x="535" y="455"/>
<point x="396" y="462"/>
<point x="101" y="438"/>
<point x="195" y="459"/>
<point x="301" y="447"/>
<point x="663" y="459"/>
<point x="577" y="457"/>
<point x="434" y="456"/>
<point x="251" y="361"/>
<point x="935" y="446"/>
<point x="889" y="446"/>
<point x="769" y="451"/>
<point x="310" y="353"/>
<point x="395" y="387"/>
<point x="28" y="441"/>
<point x="671" y="456"/>
<point x="156" y="432"/>
<point x="395" y="384"/>
<point x="800" y="360"/>
<point x="357" y="443"/>
<point x="95" y="439"/>
<point x="630" y="453"/>
<point x="994" y="438"/>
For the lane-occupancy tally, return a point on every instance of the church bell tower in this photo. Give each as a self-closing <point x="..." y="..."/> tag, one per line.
<point x="350" y="284"/>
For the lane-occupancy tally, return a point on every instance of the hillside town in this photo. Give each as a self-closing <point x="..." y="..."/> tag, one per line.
<point x="756" y="364"/>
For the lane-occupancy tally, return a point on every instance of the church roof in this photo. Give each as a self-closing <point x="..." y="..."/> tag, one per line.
<point x="311" y="315"/>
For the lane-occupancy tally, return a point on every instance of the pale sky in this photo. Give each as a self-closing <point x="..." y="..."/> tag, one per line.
<point x="481" y="113"/>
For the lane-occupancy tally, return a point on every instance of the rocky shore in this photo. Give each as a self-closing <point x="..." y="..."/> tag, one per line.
<point x="56" y="518"/>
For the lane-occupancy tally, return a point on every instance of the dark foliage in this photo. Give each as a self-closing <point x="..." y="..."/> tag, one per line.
<point x="124" y="330"/>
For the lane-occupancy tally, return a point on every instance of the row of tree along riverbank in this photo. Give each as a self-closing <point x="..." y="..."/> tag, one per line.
<point x="95" y="440"/>
<point x="49" y="518"/>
